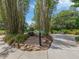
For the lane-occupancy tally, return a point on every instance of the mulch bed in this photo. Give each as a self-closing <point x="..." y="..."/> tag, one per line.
<point x="32" y="43"/>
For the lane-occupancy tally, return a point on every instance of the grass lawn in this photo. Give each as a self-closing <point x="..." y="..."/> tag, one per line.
<point x="67" y="31"/>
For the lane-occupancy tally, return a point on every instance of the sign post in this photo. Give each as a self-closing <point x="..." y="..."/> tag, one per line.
<point x="40" y="38"/>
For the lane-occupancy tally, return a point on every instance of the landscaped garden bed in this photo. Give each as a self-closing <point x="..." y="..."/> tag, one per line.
<point x="26" y="42"/>
<point x="32" y="43"/>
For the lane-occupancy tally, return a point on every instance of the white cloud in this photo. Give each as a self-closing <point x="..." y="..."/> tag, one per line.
<point x="64" y="1"/>
<point x="29" y="22"/>
<point x="63" y="5"/>
<point x="32" y="6"/>
<point x="67" y="2"/>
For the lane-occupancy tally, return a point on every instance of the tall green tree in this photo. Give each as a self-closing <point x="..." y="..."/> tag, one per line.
<point x="65" y="20"/>
<point x="14" y="15"/>
<point x="11" y="9"/>
<point x="2" y="11"/>
<point x="43" y="13"/>
<point x="76" y="3"/>
<point x="22" y="10"/>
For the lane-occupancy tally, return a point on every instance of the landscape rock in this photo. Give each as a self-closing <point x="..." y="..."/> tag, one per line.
<point x="25" y="45"/>
<point x="22" y="48"/>
<point x="21" y="45"/>
<point x="44" y="41"/>
<point x="36" y="49"/>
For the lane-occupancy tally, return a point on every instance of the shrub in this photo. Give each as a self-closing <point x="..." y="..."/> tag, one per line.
<point x="54" y="31"/>
<point x="77" y="32"/>
<point x="20" y="38"/>
<point x="43" y="33"/>
<point x="9" y="39"/>
<point x="31" y="33"/>
<point x="65" y="31"/>
<point x="77" y="39"/>
<point x="36" y="32"/>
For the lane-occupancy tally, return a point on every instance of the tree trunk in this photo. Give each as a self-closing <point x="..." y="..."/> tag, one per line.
<point x="11" y="7"/>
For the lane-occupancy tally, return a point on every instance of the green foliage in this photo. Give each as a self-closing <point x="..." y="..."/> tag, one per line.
<point x="2" y="15"/>
<point x="43" y="13"/>
<point x="9" y="39"/>
<point x="65" y="20"/>
<point x="26" y="27"/>
<point x="66" y="31"/>
<point x="76" y="3"/>
<point x="26" y="5"/>
<point x="20" y="38"/>
<point x="12" y="12"/>
<point x="31" y="29"/>
<point x="44" y="33"/>
<point x="2" y="27"/>
<point x="77" y="39"/>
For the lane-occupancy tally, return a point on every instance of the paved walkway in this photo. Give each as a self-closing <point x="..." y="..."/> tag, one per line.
<point x="61" y="41"/>
<point x="63" y="47"/>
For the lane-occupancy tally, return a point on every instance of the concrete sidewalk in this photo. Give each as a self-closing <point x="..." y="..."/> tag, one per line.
<point x="71" y="53"/>
<point x="64" y="51"/>
<point x="68" y="53"/>
<point x="28" y="55"/>
<point x="63" y="47"/>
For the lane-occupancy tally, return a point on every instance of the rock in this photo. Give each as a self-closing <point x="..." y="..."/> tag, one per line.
<point x="32" y="46"/>
<point x="36" y="49"/>
<point x="17" y="46"/>
<point x="49" y="41"/>
<point x="21" y="45"/>
<point x="44" y="41"/>
<point x="25" y="45"/>
<point x="22" y="48"/>
<point x="38" y="46"/>
<point x="28" y="47"/>
<point x="13" y="44"/>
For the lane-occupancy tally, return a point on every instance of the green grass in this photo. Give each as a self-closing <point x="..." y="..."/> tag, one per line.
<point x="67" y="31"/>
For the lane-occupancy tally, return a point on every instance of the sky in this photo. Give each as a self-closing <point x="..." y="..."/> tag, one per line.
<point x="62" y="5"/>
<point x="30" y="13"/>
